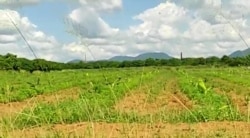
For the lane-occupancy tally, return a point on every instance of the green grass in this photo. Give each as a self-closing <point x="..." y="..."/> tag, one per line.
<point x="210" y="106"/>
<point x="102" y="89"/>
<point x="19" y="86"/>
<point x="93" y="104"/>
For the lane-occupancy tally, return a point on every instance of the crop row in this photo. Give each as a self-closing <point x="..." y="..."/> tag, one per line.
<point x="94" y="103"/>
<point x="16" y="86"/>
<point x="101" y="90"/>
<point x="210" y="106"/>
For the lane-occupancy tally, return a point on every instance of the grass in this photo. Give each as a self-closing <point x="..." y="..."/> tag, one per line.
<point x="101" y="90"/>
<point x="211" y="106"/>
<point x="92" y="105"/>
<point x="19" y="86"/>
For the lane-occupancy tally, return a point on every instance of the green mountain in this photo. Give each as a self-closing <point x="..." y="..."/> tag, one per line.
<point x="154" y="55"/>
<point x="240" y="53"/>
<point x="122" y="58"/>
<point x="75" y="61"/>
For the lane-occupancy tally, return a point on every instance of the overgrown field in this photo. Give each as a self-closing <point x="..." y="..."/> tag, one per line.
<point x="129" y="102"/>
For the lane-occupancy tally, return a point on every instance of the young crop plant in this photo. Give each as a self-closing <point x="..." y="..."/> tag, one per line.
<point x="210" y="106"/>
<point x="202" y="87"/>
<point x="95" y="103"/>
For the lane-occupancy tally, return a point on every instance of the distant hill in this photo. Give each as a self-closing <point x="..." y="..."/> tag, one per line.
<point x="154" y="55"/>
<point x="121" y="58"/>
<point x="75" y="61"/>
<point x="240" y="53"/>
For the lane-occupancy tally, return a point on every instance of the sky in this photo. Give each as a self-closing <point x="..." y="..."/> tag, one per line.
<point x="100" y="29"/>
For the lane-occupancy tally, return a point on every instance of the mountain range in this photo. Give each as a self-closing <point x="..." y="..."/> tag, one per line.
<point x="144" y="56"/>
<point x="160" y="55"/>
<point x="240" y="53"/>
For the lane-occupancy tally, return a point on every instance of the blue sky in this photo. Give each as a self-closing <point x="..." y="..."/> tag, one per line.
<point x="124" y="27"/>
<point x="49" y="16"/>
<point x="123" y="18"/>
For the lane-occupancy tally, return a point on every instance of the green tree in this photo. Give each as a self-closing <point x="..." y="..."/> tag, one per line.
<point x="225" y="59"/>
<point x="150" y="62"/>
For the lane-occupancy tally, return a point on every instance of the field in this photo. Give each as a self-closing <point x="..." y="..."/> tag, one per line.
<point x="128" y="102"/>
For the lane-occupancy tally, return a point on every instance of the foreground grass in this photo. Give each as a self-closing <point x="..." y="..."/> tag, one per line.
<point x="232" y="83"/>
<point x="101" y="129"/>
<point x="103" y="90"/>
<point x="211" y="105"/>
<point x="97" y="102"/>
<point x="93" y="104"/>
<point x="15" y="86"/>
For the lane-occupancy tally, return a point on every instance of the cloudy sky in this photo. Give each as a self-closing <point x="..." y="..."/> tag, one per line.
<point x="69" y="29"/>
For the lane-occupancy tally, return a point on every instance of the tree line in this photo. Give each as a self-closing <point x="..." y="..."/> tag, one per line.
<point x="12" y="62"/>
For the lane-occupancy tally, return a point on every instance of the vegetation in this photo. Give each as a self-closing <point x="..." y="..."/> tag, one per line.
<point x="172" y="91"/>
<point x="212" y="105"/>
<point x="12" y="62"/>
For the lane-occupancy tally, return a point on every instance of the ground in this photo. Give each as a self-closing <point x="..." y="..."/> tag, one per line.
<point x="142" y="101"/>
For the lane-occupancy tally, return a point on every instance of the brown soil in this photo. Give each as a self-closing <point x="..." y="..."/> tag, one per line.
<point x="240" y="102"/>
<point x="168" y="100"/>
<point x="13" y="108"/>
<point x="237" y="98"/>
<point x="228" y="86"/>
<point x="115" y="130"/>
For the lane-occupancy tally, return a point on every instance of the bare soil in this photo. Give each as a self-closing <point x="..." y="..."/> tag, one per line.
<point x="240" y="103"/>
<point x="140" y="102"/>
<point x="115" y="130"/>
<point x="228" y="86"/>
<point x="13" y="108"/>
<point x="237" y="98"/>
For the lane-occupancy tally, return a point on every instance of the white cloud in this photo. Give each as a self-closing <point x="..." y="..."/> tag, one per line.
<point x="98" y="31"/>
<point x="12" y="42"/>
<point x="165" y="12"/>
<point x="200" y="30"/>
<point x="102" y="5"/>
<point x="7" y="38"/>
<point x="88" y="23"/>
<point x="196" y="28"/>
<point x="167" y="32"/>
<point x="17" y="3"/>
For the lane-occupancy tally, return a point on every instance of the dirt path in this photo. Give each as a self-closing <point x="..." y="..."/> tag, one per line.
<point x="141" y="102"/>
<point x="13" y="108"/>
<point x="115" y="130"/>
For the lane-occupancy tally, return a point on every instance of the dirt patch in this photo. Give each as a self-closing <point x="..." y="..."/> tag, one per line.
<point x="238" y="98"/>
<point x="71" y="93"/>
<point x="13" y="108"/>
<point x="239" y="102"/>
<point x="235" y="92"/>
<point x="227" y="86"/>
<point x="139" y="103"/>
<point x="168" y="100"/>
<point x="113" y="130"/>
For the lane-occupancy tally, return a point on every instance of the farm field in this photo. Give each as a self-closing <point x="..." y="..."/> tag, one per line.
<point x="128" y="102"/>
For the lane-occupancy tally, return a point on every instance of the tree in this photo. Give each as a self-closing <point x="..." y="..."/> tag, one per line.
<point x="174" y="62"/>
<point x="225" y="59"/>
<point x="212" y="60"/>
<point x="12" y="62"/>
<point x="149" y="62"/>
<point x="137" y="63"/>
<point x="125" y="64"/>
